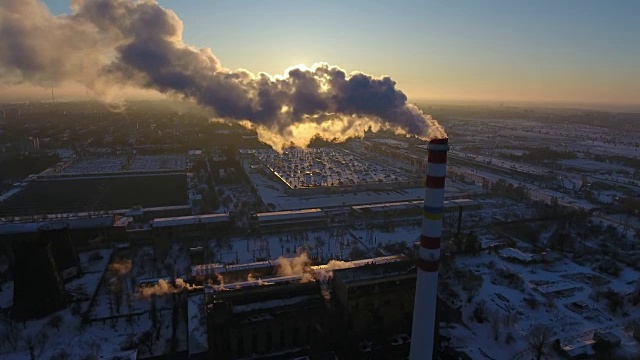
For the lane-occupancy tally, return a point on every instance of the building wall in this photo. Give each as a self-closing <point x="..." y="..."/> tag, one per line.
<point x="297" y="330"/>
<point x="306" y="325"/>
<point x="378" y="308"/>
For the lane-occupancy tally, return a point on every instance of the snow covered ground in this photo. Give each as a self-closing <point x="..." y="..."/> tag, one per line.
<point x="552" y="309"/>
<point x="334" y="243"/>
<point x="595" y="166"/>
<point x="107" y="329"/>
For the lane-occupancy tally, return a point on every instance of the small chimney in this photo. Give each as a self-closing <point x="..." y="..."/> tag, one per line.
<point x="424" y="310"/>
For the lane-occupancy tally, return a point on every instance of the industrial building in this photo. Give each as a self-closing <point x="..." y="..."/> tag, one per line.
<point x="375" y="297"/>
<point x="408" y="210"/>
<point x="286" y="317"/>
<point x="258" y="312"/>
<point x="293" y="220"/>
<point x="188" y="225"/>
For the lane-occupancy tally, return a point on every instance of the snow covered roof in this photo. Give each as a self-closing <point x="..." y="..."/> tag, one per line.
<point x="244" y="266"/>
<point x="291" y="214"/>
<point x="73" y="223"/>
<point x="206" y="269"/>
<point x="583" y="348"/>
<point x="259" y="282"/>
<point x="189" y="220"/>
<point x="388" y="206"/>
<point x="379" y="260"/>
<point x="466" y="203"/>
<point x="516" y="254"/>
<point x="555" y="286"/>
<point x="365" y="272"/>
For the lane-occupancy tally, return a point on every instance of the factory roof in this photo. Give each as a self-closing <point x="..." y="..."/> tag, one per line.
<point x="606" y="336"/>
<point x="284" y="215"/>
<point x="379" y="260"/>
<point x="556" y="286"/>
<point x="579" y="349"/>
<point x="72" y="223"/>
<point x="468" y="203"/>
<point x="374" y="270"/>
<point x="189" y="220"/>
<point x="221" y="268"/>
<point x="258" y="282"/>
<point x="206" y="269"/>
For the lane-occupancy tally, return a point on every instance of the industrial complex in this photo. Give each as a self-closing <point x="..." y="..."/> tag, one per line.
<point x="382" y="247"/>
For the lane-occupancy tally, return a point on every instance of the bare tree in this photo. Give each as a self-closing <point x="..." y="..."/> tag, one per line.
<point x="480" y="311"/>
<point x="635" y="295"/>
<point x="61" y="354"/>
<point x="30" y="341"/>
<point x="550" y="303"/>
<point x="537" y="338"/>
<point x="11" y="332"/>
<point x="508" y="338"/>
<point x="41" y="339"/>
<point x="509" y="319"/>
<point x="146" y="339"/>
<point x="55" y="321"/>
<point x="471" y="284"/>
<point x="494" y="318"/>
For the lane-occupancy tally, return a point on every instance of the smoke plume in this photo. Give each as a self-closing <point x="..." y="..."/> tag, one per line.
<point x="299" y="265"/>
<point x="120" y="267"/>
<point x="108" y="44"/>
<point x="325" y="273"/>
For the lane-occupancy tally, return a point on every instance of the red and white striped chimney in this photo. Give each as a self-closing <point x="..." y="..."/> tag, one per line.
<point x="424" y="309"/>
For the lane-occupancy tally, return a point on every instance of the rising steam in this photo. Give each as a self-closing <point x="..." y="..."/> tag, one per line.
<point x="164" y="287"/>
<point x="299" y="265"/>
<point x="108" y="44"/>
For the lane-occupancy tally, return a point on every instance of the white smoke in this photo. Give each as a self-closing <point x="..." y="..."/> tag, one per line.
<point x="164" y="287"/>
<point x="107" y="45"/>
<point x="325" y="273"/>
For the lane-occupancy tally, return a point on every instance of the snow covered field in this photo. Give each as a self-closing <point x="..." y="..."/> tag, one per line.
<point x="117" y="163"/>
<point x="96" y="164"/>
<point x="158" y="162"/>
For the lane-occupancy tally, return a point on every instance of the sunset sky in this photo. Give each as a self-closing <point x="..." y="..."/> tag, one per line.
<point x="558" y="51"/>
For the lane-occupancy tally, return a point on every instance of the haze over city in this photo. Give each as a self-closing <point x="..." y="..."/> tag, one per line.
<point x="296" y="180"/>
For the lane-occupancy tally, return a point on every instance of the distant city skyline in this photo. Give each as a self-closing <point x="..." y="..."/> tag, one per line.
<point x="494" y="51"/>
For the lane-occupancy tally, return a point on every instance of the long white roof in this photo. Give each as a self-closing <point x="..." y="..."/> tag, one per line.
<point x="189" y="220"/>
<point x="292" y="214"/>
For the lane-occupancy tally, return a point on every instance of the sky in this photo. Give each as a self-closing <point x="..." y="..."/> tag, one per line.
<point x="570" y="51"/>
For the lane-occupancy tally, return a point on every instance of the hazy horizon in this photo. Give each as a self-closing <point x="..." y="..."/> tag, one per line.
<point x="569" y="54"/>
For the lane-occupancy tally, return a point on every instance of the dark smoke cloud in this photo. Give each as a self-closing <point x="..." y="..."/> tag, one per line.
<point x="106" y="44"/>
